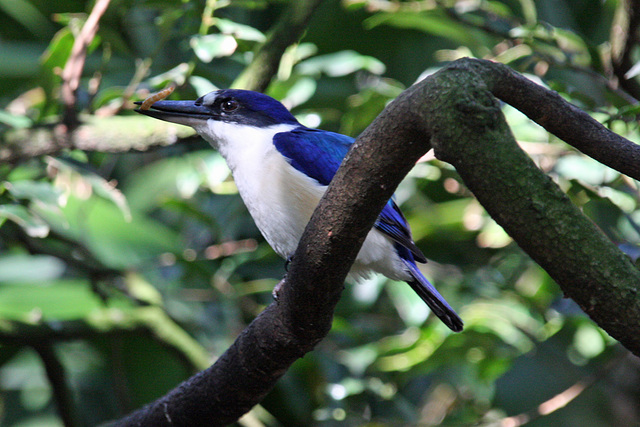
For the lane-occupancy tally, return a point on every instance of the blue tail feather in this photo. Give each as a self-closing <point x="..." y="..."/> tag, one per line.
<point x="429" y="294"/>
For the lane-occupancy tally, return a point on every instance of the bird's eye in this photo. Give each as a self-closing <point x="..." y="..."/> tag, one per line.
<point x="229" y="105"/>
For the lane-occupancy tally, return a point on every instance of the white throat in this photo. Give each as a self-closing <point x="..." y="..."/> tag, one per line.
<point x="280" y="198"/>
<point x="241" y="144"/>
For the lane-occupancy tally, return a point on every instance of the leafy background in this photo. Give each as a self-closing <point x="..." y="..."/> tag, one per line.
<point x="121" y="274"/>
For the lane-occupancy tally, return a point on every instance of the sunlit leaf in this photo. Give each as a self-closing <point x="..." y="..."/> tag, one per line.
<point x="213" y="46"/>
<point x="201" y="85"/>
<point x="433" y="22"/>
<point x="588" y="341"/>
<point x="79" y="181"/>
<point x="38" y="191"/>
<point x="30" y="268"/>
<point x="584" y="169"/>
<point x="14" y="121"/>
<point x="176" y="177"/>
<point x="33" y="225"/>
<point x="340" y="64"/>
<point x="58" y="300"/>
<point x="239" y="31"/>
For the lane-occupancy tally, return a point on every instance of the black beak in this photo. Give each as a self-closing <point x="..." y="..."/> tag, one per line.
<point x="182" y="112"/>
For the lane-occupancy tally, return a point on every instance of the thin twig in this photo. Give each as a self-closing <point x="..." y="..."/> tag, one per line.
<point x="57" y="378"/>
<point x="565" y="397"/>
<point x="547" y="407"/>
<point x="75" y="64"/>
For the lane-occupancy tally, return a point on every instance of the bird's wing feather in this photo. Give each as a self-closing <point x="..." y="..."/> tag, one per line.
<point x="392" y="223"/>
<point x="318" y="154"/>
<point x="315" y="153"/>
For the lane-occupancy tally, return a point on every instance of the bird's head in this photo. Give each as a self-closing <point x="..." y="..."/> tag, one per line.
<point x="233" y="106"/>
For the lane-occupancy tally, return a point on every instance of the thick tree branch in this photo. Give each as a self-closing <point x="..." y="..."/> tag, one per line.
<point x="284" y="33"/>
<point x="454" y="112"/>
<point x="564" y="120"/>
<point x="528" y="204"/>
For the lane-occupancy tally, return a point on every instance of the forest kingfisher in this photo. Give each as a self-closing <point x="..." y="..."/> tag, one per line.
<point x="282" y="169"/>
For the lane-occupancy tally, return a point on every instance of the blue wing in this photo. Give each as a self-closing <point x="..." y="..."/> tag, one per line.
<point x="318" y="154"/>
<point x="392" y="222"/>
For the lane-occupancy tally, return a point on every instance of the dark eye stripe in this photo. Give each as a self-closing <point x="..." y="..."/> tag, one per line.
<point x="229" y="105"/>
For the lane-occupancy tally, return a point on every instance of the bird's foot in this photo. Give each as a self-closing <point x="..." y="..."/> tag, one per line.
<point x="276" y="289"/>
<point x="287" y="262"/>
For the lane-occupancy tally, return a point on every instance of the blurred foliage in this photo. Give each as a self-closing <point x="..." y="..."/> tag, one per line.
<point x="140" y="268"/>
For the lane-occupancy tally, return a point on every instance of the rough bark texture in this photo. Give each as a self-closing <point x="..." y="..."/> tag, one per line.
<point x="455" y="112"/>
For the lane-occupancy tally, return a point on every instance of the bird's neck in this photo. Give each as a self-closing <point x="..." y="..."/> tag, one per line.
<point x="243" y="146"/>
<point x="280" y="198"/>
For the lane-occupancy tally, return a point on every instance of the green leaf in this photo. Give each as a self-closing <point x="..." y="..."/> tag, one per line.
<point x="13" y="120"/>
<point x="176" y="177"/>
<point x="106" y="95"/>
<point x="58" y="300"/>
<point x="213" y="46"/>
<point x="77" y="179"/>
<point x="294" y="91"/>
<point x="585" y="169"/>
<point x="116" y="242"/>
<point x="40" y="191"/>
<point x="340" y="64"/>
<point x="239" y="31"/>
<point x="30" y="268"/>
<point x="29" y="16"/>
<point x="33" y="225"/>
<point x="588" y="341"/>
<point x="433" y="22"/>
<point x="54" y="58"/>
<point x="175" y="75"/>
<point x="142" y="290"/>
<point x="201" y="85"/>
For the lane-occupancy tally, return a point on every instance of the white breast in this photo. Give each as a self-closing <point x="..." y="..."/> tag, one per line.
<point x="281" y="199"/>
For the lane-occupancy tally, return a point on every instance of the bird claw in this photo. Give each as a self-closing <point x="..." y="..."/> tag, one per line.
<point x="277" y="289"/>
<point x="287" y="262"/>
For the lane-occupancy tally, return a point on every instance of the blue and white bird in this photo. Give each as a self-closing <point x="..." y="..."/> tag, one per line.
<point x="282" y="169"/>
